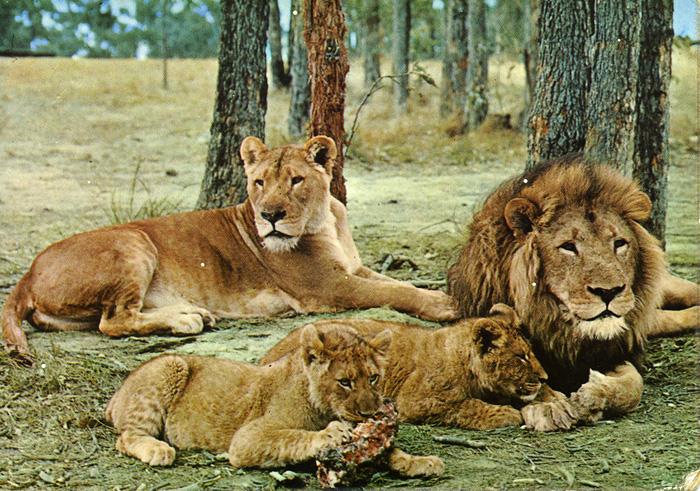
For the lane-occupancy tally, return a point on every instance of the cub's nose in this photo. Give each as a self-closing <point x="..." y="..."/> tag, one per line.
<point x="607" y="294"/>
<point x="273" y="217"/>
<point x="367" y="413"/>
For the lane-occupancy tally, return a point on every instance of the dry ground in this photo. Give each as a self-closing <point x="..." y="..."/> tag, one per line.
<point x="73" y="134"/>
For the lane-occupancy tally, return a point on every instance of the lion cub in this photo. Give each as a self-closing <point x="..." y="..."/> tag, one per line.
<point x="461" y="375"/>
<point x="268" y="416"/>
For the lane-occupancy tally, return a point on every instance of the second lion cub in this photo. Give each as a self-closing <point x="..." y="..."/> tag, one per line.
<point x="263" y="416"/>
<point x="463" y="375"/>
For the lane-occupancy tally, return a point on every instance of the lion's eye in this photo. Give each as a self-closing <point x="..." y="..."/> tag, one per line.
<point x="523" y="359"/>
<point x="259" y="182"/>
<point x="373" y="379"/>
<point x="569" y="248"/>
<point x="619" y="244"/>
<point x="345" y="382"/>
<point x="296" y="180"/>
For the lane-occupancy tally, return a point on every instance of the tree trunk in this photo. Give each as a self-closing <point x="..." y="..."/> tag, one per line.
<point x="280" y="78"/>
<point x="301" y="91"/>
<point x="478" y="69"/>
<point x="455" y="59"/>
<point x="651" y="152"/>
<point x="294" y="6"/>
<point x="531" y="13"/>
<point x="401" y="38"/>
<point x="372" y="41"/>
<point x="611" y="112"/>
<point x="447" y="103"/>
<point x="557" y="123"/>
<point x="241" y="100"/>
<point x="324" y="33"/>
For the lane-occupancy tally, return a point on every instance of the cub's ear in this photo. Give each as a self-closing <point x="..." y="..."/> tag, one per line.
<point x="486" y="336"/>
<point x="251" y="149"/>
<point x="382" y="341"/>
<point x="507" y="311"/>
<point x="311" y="344"/>
<point x="520" y="214"/>
<point x="638" y="206"/>
<point x="321" y="150"/>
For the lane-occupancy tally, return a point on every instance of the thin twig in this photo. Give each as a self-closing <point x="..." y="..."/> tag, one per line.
<point x="456" y="440"/>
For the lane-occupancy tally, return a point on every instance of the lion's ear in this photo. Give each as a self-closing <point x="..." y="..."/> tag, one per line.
<point x="507" y="311"/>
<point x="321" y="150"/>
<point x="638" y="206"/>
<point x="311" y="344"/>
<point x="382" y="341"/>
<point x="251" y="149"/>
<point x="486" y="336"/>
<point x="520" y="214"/>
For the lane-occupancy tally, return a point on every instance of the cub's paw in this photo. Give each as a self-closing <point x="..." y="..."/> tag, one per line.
<point x="550" y="416"/>
<point x="508" y="417"/>
<point x="439" y="307"/>
<point x="333" y="435"/>
<point x="414" y="466"/>
<point x="152" y="452"/>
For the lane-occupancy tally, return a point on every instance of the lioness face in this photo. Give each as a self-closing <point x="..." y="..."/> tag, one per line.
<point x="589" y="266"/>
<point x="344" y="371"/>
<point x="289" y="189"/>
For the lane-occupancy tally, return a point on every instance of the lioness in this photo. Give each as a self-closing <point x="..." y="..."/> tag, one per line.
<point x="262" y="416"/>
<point x="462" y="375"/>
<point x="563" y="243"/>
<point x="287" y="248"/>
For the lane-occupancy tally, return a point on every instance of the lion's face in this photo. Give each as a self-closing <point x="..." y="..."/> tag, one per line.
<point x="504" y="359"/>
<point x="344" y="370"/>
<point x="289" y="189"/>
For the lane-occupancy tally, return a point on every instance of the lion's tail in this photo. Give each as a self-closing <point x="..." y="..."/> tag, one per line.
<point x="17" y="306"/>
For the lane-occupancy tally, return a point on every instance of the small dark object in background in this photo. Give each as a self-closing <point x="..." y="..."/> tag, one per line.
<point x="171" y="172"/>
<point x="357" y="459"/>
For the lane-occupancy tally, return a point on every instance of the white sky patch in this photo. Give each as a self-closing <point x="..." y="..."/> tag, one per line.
<point x="142" y="50"/>
<point x="48" y="23"/>
<point x="60" y="5"/>
<point x="85" y="33"/>
<point x="177" y="7"/>
<point x="126" y="20"/>
<point x="116" y="7"/>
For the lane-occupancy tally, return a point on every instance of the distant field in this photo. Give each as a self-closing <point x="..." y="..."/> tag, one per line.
<point x="73" y="133"/>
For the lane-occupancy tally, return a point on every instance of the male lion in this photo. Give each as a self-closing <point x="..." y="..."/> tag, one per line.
<point x="287" y="248"/>
<point x="563" y="244"/>
<point x="262" y="416"/>
<point x="463" y="375"/>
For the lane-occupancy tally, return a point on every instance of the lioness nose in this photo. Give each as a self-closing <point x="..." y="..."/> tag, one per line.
<point x="273" y="217"/>
<point x="607" y="294"/>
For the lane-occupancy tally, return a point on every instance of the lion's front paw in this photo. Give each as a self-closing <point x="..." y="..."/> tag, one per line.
<point x="550" y="416"/>
<point x="589" y="403"/>
<point x="333" y="435"/>
<point x="439" y="307"/>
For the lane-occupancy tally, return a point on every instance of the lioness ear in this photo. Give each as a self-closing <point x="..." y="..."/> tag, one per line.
<point x="321" y="150"/>
<point x="638" y="206"/>
<point x="520" y="215"/>
<point x="486" y="336"/>
<point x="311" y="344"/>
<point x="251" y="149"/>
<point x="505" y="310"/>
<point x="382" y="341"/>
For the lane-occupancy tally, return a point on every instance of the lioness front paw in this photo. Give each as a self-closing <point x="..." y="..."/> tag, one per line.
<point x="425" y="466"/>
<point x="188" y="324"/>
<point x="550" y="416"/>
<point x="333" y="435"/>
<point x="440" y="307"/>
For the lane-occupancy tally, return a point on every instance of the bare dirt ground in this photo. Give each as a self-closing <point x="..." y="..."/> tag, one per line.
<point x="73" y="134"/>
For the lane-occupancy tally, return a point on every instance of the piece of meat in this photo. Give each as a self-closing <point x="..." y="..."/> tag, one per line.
<point x="353" y="461"/>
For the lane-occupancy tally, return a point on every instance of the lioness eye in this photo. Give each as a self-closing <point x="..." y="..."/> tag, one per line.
<point x="259" y="182"/>
<point x="619" y="244"/>
<point x="569" y="247"/>
<point x="296" y="180"/>
<point x="373" y="379"/>
<point x="344" y="382"/>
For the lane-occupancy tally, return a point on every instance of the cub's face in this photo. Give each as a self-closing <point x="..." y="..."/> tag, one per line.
<point x="289" y="189"/>
<point x="504" y="359"/>
<point x="344" y="370"/>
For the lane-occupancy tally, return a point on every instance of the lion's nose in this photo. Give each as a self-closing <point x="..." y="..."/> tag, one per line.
<point x="273" y="217"/>
<point x="607" y="294"/>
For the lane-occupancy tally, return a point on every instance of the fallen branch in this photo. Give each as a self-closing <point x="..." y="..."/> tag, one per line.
<point x="456" y="440"/>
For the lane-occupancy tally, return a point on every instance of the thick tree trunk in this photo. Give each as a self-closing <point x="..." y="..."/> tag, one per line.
<point x="280" y="78"/>
<point x="612" y="100"/>
<point x="324" y="34"/>
<point x="531" y="13"/>
<point x="294" y="6"/>
<point x="372" y="41"/>
<point x="300" y="103"/>
<point x="478" y="70"/>
<point x="401" y="38"/>
<point x="455" y="60"/>
<point x="241" y="100"/>
<point x="651" y="152"/>
<point x="447" y="103"/>
<point x="557" y="122"/>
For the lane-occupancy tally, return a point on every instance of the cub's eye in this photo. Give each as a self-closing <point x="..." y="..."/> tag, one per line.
<point x="259" y="182"/>
<point x="345" y="383"/>
<point x="523" y="359"/>
<point x="569" y="247"/>
<point x="619" y="244"/>
<point x="373" y="379"/>
<point x="296" y="180"/>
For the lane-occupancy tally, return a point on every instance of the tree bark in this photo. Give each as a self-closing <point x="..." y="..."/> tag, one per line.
<point x="300" y="102"/>
<point x="324" y="34"/>
<point x="478" y="70"/>
<point x="280" y="78"/>
<point x="612" y="100"/>
<point x="455" y="59"/>
<point x="531" y="13"/>
<point x="294" y="6"/>
<point x="241" y="100"/>
<point x="557" y="123"/>
<point x="651" y="152"/>
<point x="446" y="87"/>
<point x="401" y="36"/>
<point x="372" y="41"/>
